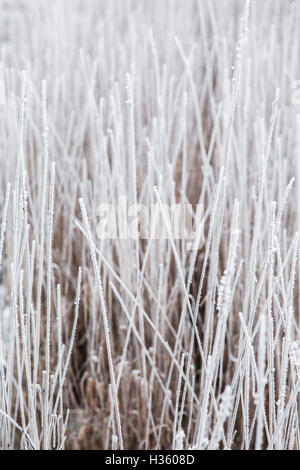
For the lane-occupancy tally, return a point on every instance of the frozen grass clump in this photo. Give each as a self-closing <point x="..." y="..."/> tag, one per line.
<point x="140" y="343"/>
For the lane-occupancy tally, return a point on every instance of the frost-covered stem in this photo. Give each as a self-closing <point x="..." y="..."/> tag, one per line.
<point x="104" y="316"/>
